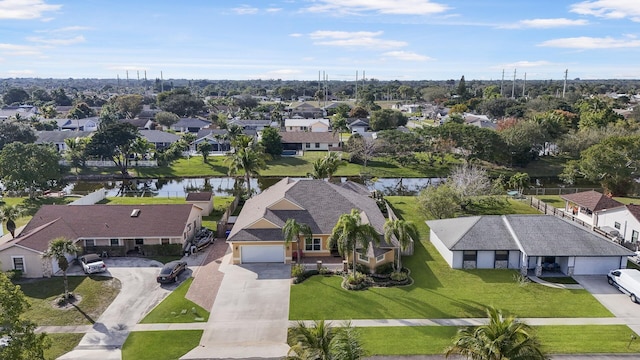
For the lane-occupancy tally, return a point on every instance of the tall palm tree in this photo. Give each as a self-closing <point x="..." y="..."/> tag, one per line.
<point x="10" y="213"/>
<point x="349" y="232"/>
<point x="331" y="163"/>
<point x="248" y="158"/>
<point x="404" y="232"/>
<point x="292" y="229"/>
<point x="346" y="344"/>
<point x="58" y="249"/>
<point x="319" y="169"/>
<point x="322" y="341"/>
<point x="503" y="338"/>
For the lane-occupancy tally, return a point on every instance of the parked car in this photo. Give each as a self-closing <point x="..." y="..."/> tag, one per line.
<point x="627" y="281"/>
<point x="92" y="263"/>
<point x="171" y="270"/>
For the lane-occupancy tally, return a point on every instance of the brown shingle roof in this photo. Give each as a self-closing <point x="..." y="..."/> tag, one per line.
<point x="309" y="137"/>
<point x="592" y="200"/>
<point x="199" y="196"/>
<point x="634" y="210"/>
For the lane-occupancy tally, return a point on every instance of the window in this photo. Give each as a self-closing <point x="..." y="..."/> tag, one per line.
<point x="164" y="241"/>
<point x="634" y="236"/>
<point x="469" y="255"/>
<point x="317" y="145"/>
<point x="89" y="242"/>
<point x="363" y="257"/>
<point x="115" y="242"/>
<point x="139" y="241"/>
<point x="502" y="255"/>
<point x="307" y="145"/>
<point x="380" y="258"/>
<point x="616" y="225"/>
<point x="18" y="263"/>
<point x="312" y="244"/>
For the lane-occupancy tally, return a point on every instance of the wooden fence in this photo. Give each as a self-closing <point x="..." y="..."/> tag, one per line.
<point x="224" y="220"/>
<point x="547" y="209"/>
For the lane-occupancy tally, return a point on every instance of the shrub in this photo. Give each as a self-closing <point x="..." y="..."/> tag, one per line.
<point x="325" y="271"/>
<point x="356" y="278"/>
<point x="297" y="270"/>
<point x="359" y="268"/>
<point x="399" y="276"/>
<point x="384" y="269"/>
<point x="14" y="275"/>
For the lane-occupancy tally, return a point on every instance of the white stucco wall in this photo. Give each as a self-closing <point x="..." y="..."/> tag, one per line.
<point x="514" y="259"/>
<point x="628" y="222"/>
<point x="442" y="249"/>
<point x="485" y="260"/>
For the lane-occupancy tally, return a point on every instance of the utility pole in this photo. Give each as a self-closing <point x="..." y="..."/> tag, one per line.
<point x="145" y="80"/>
<point x="356" y="85"/>
<point x="502" y="84"/>
<point x="127" y="72"/>
<point x="513" y="86"/>
<point x="564" y="87"/>
<point x="161" y="82"/>
<point x="524" y="84"/>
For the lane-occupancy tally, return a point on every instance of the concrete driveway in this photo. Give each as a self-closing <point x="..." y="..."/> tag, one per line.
<point x="615" y="301"/>
<point x="249" y="318"/>
<point x="139" y="294"/>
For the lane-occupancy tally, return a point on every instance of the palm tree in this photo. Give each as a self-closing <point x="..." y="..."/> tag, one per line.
<point x="346" y="344"/>
<point x="204" y="148"/>
<point x="323" y="342"/>
<point x="501" y="339"/>
<point x="248" y="158"/>
<point x="331" y="163"/>
<point x="349" y="232"/>
<point x="404" y="232"/>
<point x="140" y="147"/>
<point x="58" y="249"/>
<point x="10" y="213"/>
<point x="292" y="229"/>
<point x="319" y="169"/>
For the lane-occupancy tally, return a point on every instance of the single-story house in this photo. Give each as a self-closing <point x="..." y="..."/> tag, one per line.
<point x="191" y="125"/>
<point x="257" y="233"/>
<point x="624" y="220"/>
<point x="357" y="125"/>
<point x="312" y="125"/>
<point x="140" y="123"/>
<point x="160" y="139"/>
<point x="57" y="138"/>
<point x="304" y="110"/>
<point x="309" y="141"/>
<point x="257" y="125"/>
<point x="586" y="205"/>
<point x="203" y="200"/>
<point x="86" y="124"/>
<point x="526" y="242"/>
<point x="23" y="111"/>
<point x="96" y="228"/>
<point x="216" y="137"/>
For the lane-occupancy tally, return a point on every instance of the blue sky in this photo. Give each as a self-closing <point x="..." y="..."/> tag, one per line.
<point x="294" y="39"/>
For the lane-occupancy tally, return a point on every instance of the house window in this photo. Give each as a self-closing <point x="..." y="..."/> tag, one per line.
<point x="469" y="255"/>
<point x="18" y="263"/>
<point x="363" y="257"/>
<point x="502" y="255"/>
<point x="89" y="242"/>
<point x="307" y="145"/>
<point x="115" y="242"/>
<point x="312" y="244"/>
<point x="634" y="236"/>
<point x="165" y="241"/>
<point x="317" y="145"/>
<point x="139" y="241"/>
<point x="380" y="258"/>
<point x="616" y="225"/>
<point x="330" y="145"/>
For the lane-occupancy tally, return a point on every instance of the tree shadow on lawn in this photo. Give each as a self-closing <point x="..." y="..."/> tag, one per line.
<point x="54" y="286"/>
<point x="493" y="276"/>
<point x="288" y="161"/>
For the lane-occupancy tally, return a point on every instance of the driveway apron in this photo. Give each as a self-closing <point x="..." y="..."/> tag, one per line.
<point x="249" y="317"/>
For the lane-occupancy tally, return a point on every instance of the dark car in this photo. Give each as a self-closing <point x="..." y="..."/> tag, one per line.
<point x="171" y="270"/>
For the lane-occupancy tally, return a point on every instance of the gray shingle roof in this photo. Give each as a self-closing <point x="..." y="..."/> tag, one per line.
<point x="158" y="136"/>
<point x="309" y="137"/>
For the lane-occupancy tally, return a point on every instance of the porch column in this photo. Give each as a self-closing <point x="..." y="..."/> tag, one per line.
<point x="539" y="266"/>
<point x="524" y="264"/>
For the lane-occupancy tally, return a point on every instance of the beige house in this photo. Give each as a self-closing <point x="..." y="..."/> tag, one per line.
<point x="257" y="233"/>
<point x="115" y="229"/>
<point x="310" y="125"/>
<point x="203" y="200"/>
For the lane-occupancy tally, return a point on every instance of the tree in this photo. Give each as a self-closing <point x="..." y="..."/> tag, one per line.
<point x="350" y="232"/>
<point x="141" y="148"/>
<point x="462" y="88"/>
<point x="29" y="167"/>
<point x="10" y="213"/>
<point x="15" y="96"/>
<point x="387" y="119"/>
<point x="362" y="149"/>
<point x="271" y="141"/>
<point x="358" y="112"/>
<point x="404" y="232"/>
<point x="128" y="106"/>
<point x="180" y="102"/>
<point x="11" y="131"/>
<point x="331" y="162"/>
<point x="439" y="202"/>
<point x="166" y="118"/>
<point x="246" y="158"/>
<point x="24" y="343"/>
<point x="519" y="181"/>
<point x="324" y="342"/>
<point x="204" y="148"/>
<point x="502" y="338"/>
<point x="293" y="229"/>
<point x="75" y="153"/>
<point x="339" y="125"/>
<point x="114" y="142"/>
<point x="81" y="111"/>
<point x="58" y="249"/>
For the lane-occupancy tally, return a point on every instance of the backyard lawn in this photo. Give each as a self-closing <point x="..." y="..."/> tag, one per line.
<point x="439" y="291"/>
<point x="160" y="345"/>
<point x="175" y="308"/>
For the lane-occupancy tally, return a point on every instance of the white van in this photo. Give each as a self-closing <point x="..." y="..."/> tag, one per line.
<point x="627" y="281"/>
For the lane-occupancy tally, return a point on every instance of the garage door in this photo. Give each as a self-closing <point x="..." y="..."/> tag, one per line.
<point x="262" y="254"/>
<point x="595" y="265"/>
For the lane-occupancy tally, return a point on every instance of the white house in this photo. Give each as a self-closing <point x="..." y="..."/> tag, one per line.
<point x="625" y="220"/>
<point x="311" y="125"/>
<point x="586" y="205"/>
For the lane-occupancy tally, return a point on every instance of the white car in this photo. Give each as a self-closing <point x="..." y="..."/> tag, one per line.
<point x="92" y="263"/>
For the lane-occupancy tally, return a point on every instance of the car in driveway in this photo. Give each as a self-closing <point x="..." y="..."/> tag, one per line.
<point x="170" y="271"/>
<point x="92" y="263"/>
<point x="627" y="281"/>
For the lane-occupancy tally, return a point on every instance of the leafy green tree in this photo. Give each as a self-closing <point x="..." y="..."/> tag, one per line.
<point x="58" y="249"/>
<point x="49" y="111"/>
<point x="15" y="96"/>
<point x="12" y="131"/>
<point x="29" y="167"/>
<point x="81" y="111"/>
<point x="75" y="153"/>
<point x="462" y="88"/>
<point x="141" y="147"/>
<point x="519" y="181"/>
<point x="358" y="112"/>
<point x="439" y="202"/>
<point x="491" y="92"/>
<point x="25" y="344"/>
<point x="181" y="102"/>
<point x="271" y="141"/>
<point x="245" y="158"/>
<point x="40" y="96"/>
<point x="524" y="139"/>
<point x="204" y="148"/>
<point x="114" y="142"/>
<point x="292" y="230"/>
<point x="387" y="119"/>
<point x="350" y="232"/>
<point x="497" y="107"/>
<point x="339" y="125"/>
<point x="166" y="118"/>
<point x="404" y="232"/>
<point x="10" y="213"/>
<point x="502" y="338"/>
<point x="341" y="109"/>
<point x="595" y="112"/>
<point x="60" y="97"/>
<point x="128" y="106"/>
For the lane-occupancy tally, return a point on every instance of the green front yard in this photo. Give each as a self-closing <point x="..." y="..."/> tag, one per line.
<point x="175" y="308"/>
<point x="439" y="291"/>
<point x="61" y="344"/>
<point x="160" y="345"/>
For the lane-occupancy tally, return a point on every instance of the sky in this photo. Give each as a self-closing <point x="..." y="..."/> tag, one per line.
<point x="297" y="39"/>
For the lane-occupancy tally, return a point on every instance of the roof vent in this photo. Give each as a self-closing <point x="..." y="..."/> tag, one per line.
<point x="135" y="213"/>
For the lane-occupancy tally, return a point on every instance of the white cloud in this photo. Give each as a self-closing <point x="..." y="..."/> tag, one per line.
<point x="588" y="43"/>
<point x="18" y="50"/>
<point x="25" y="9"/>
<point x="546" y="23"/>
<point x="295" y="35"/>
<point x="70" y="41"/>
<point x="406" y="56"/>
<point x="279" y="74"/>
<point x="20" y="73"/>
<point x="405" y="7"/>
<point x="366" y="39"/>
<point x="65" y="29"/>
<point x="273" y="10"/>
<point x="609" y="9"/>
<point x="523" y="64"/>
<point x="245" y="10"/>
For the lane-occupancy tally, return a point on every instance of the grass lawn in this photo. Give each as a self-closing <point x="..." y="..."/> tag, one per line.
<point x="160" y="345"/>
<point x="171" y="309"/>
<point x="97" y="293"/>
<point x="546" y="166"/>
<point x="425" y="340"/>
<point x="438" y="291"/>
<point x="156" y="200"/>
<point x="61" y="344"/>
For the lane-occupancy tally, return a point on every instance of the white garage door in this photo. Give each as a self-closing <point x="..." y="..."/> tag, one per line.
<point x="262" y="254"/>
<point x="595" y="265"/>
